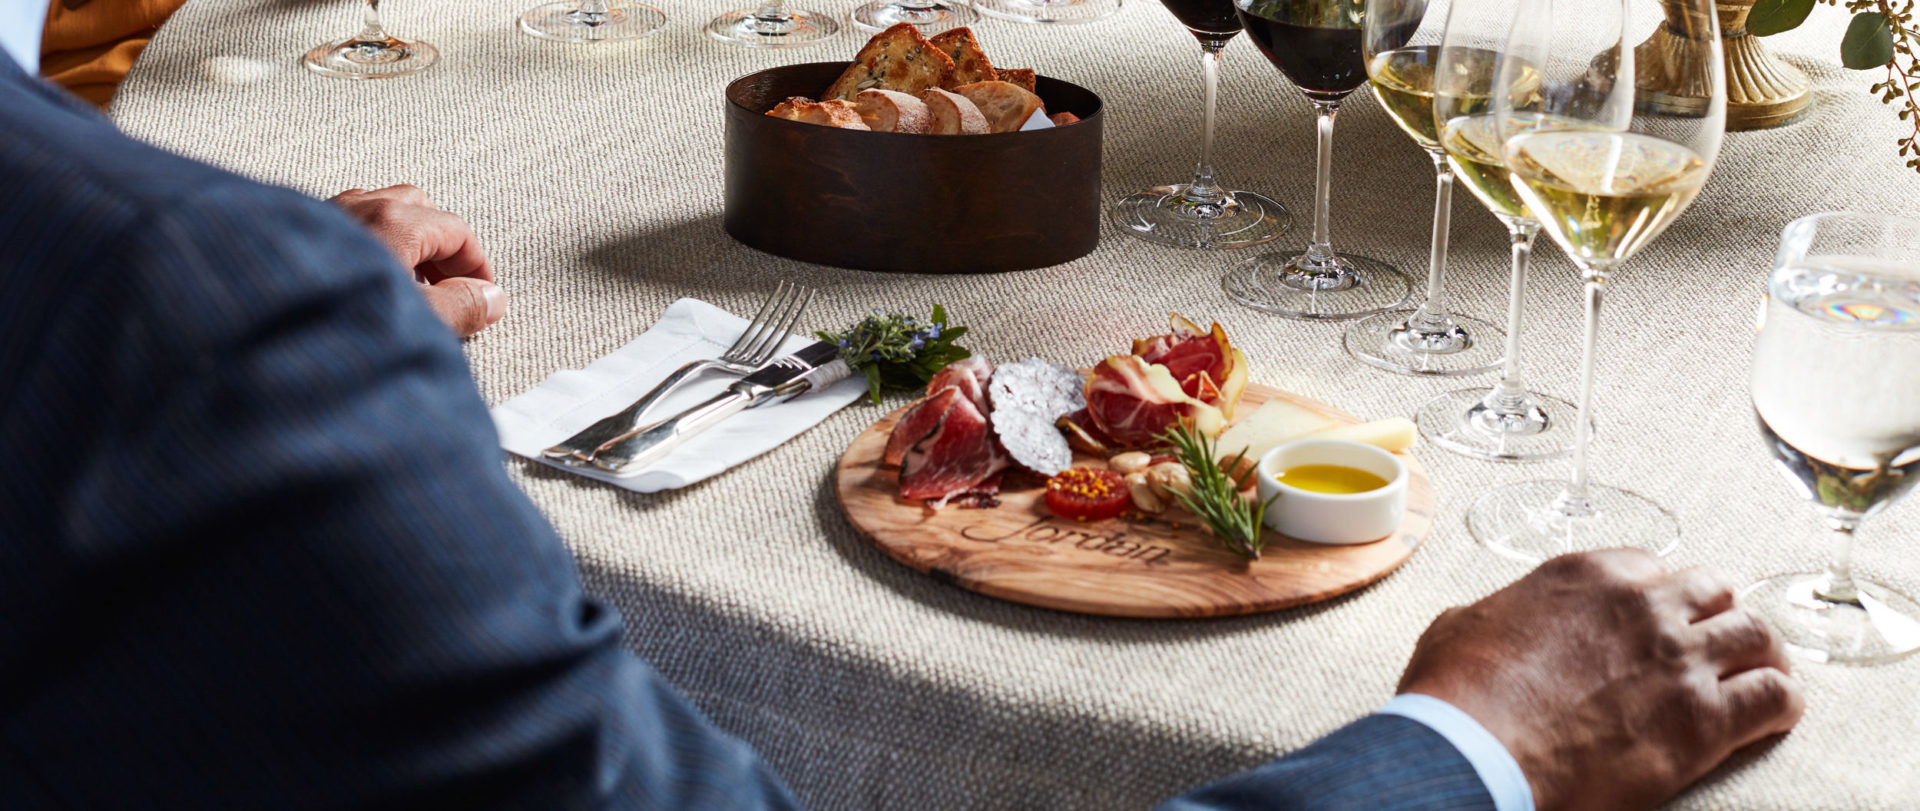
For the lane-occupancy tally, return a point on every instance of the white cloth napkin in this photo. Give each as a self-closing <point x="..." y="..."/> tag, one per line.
<point x="690" y="330"/>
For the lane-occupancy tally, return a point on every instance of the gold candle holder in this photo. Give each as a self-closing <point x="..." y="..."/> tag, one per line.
<point x="1762" y="91"/>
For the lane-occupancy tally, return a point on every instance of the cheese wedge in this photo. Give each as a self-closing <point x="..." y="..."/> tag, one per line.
<point x="893" y="111"/>
<point x="1274" y="422"/>
<point x="1391" y="434"/>
<point x="1005" y="105"/>
<point x="953" y="114"/>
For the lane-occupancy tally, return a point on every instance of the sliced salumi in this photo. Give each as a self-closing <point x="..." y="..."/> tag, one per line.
<point x="979" y="497"/>
<point x="971" y="374"/>
<point x="1083" y="434"/>
<point x="1028" y="397"/>
<point x="957" y="456"/>
<point x="919" y="422"/>
<point x="1135" y="402"/>
<point x="1206" y="365"/>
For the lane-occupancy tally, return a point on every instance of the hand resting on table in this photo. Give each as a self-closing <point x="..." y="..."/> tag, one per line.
<point x="438" y="247"/>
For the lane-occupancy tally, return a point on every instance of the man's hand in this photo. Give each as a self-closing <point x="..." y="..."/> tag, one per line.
<point x="1613" y="682"/>
<point x="440" y="249"/>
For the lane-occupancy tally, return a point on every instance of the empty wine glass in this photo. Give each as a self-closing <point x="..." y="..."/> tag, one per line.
<point x="771" y="25"/>
<point x="1316" y="45"/>
<point x="1507" y="422"/>
<point x="1836" y="388"/>
<point x="930" y="16"/>
<point x="1402" y="52"/>
<point x="1606" y="175"/>
<point x="371" y="54"/>
<point x="592" y="21"/>
<point x="1203" y="214"/>
<point x="1058" y="12"/>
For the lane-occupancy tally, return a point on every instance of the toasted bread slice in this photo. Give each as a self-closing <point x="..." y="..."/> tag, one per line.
<point x="791" y="109"/>
<point x="969" y="61"/>
<point x="898" y="59"/>
<point x="1063" y="119"/>
<point x="1005" y="105"/>
<point x="953" y="114"/>
<point x="834" y="113"/>
<point x="1024" y="77"/>
<point x="893" y="111"/>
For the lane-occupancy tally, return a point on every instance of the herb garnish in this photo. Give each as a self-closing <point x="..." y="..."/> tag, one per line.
<point x="898" y="352"/>
<point x="1215" y="495"/>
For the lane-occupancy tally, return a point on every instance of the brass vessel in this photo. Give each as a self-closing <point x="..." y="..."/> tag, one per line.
<point x="1762" y="91"/>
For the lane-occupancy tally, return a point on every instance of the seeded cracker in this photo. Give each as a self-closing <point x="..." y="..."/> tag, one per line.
<point x="1028" y="396"/>
<point x="897" y="59"/>
<point x="969" y="61"/>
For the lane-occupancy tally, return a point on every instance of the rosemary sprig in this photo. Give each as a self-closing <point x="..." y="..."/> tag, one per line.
<point x="1215" y="496"/>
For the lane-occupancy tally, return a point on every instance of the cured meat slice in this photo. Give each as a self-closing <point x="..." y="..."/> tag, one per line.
<point x="1208" y="368"/>
<point x="1028" y="397"/>
<point x="971" y="374"/>
<point x="919" y="422"/>
<point x="1085" y="435"/>
<point x="1134" y="402"/>
<point x="957" y="456"/>
<point x="981" y="496"/>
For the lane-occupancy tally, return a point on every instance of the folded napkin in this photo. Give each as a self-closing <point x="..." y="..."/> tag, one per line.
<point x="690" y="330"/>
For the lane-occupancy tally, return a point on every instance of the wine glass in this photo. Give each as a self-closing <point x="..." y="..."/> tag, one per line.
<point x="1506" y="422"/>
<point x="1605" y="175"/>
<point x="1316" y="45"/>
<point x="592" y="20"/>
<point x="930" y="16"/>
<point x="1836" y="388"/>
<point x="1401" y="46"/>
<point x="1202" y="214"/>
<point x="370" y="54"/>
<point x="771" y="25"/>
<point x="1058" y="12"/>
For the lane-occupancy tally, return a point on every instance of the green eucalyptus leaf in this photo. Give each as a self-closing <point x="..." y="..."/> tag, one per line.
<point x="1771" y="17"/>
<point x="1868" y="42"/>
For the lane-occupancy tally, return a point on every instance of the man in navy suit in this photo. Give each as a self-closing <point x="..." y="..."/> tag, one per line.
<point x="259" y="550"/>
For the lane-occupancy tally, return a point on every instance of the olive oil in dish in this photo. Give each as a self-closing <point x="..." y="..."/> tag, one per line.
<point x="1333" y="479"/>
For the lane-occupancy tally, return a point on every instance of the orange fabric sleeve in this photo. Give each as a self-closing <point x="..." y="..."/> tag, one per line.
<point x="89" y="45"/>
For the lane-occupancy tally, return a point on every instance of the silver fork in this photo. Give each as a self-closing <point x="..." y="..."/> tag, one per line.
<point x="762" y="337"/>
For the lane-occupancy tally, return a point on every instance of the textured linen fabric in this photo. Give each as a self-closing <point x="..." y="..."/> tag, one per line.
<point x="215" y="591"/>
<point x="593" y="176"/>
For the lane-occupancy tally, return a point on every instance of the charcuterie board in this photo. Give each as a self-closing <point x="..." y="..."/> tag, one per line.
<point x="1164" y="566"/>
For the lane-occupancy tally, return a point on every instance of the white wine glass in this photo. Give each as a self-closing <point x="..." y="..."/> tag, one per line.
<point x="1606" y="163"/>
<point x="592" y="21"/>
<point x="1401" y="46"/>
<point x="1836" y="388"/>
<point x="1507" y="422"/>
<point x="1202" y="213"/>
<point x="930" y="16"/>
<point x="371" y="54"/>
<point x="772" y="25"/>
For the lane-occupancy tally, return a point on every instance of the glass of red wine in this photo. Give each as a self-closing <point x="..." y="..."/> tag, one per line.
<point x="1316" y="44"/>
<point x="1201" y="213"/>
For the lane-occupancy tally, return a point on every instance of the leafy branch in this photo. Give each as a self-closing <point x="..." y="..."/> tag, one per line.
<point x="1881" y="35"/>
<point x="898" y="352"/>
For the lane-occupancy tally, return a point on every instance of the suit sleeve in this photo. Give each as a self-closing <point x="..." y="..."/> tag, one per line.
<point x="283" y="566"/>
<point x="1380" y="763"/>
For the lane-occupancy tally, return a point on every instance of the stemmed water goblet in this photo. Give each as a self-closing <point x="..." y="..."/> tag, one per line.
<point x="772" y="25"/>
<point x="1401" y="45"/>
<point x="1506" y="422"/>
<point x="930" y="16"/>
<point x="1836" y="389"/>
<point x="1201" y="213"/>
<point x="371" y="54"/>
<point x="1606" y="173"/>
<point x="1316" y="44"/>
<point x="592" y="20"/>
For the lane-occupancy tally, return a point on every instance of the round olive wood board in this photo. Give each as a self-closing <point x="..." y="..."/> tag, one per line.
<point x="1166" y="566"/>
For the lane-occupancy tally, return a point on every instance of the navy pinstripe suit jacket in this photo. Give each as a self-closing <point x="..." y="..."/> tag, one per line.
<point x="259" y="551"/>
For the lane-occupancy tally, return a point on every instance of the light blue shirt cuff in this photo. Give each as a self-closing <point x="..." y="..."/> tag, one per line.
<point x="20" y="24"/>
<point x="1489" y="758"/>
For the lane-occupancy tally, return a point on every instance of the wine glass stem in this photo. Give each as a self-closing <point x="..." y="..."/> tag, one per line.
<point x="772" y="11"/>
<point x="1432" y="315"/>
<point x="593" y="7"/>
<point x="1509" y="396"/>
<point x="1203" y="189"/>
<point x="1321" y="250"/>
<point x="372" y="30"/>
<point x="1575" y="499"/>
<point x="1839" y="587"/>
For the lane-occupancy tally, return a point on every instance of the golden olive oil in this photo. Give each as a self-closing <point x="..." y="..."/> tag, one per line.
<point x="1334" y="479"/>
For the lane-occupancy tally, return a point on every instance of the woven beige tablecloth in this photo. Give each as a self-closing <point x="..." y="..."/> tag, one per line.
<point x="593" y="175"/>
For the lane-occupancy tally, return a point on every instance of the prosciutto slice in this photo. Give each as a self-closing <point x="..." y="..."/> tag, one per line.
<point x="971" y="374"/>
<point x="958" y="455"/>
<point x="1206" y="366"/>
<point x="920" y="421"/>
<point x="1134" y="402"/>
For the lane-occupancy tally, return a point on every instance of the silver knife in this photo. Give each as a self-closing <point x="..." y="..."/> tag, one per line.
<point x="815" y="366"/>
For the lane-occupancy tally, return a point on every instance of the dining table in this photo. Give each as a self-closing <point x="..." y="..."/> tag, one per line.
<point x="592" y="174"/>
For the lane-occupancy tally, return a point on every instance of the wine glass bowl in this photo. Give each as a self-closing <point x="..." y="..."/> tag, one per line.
<point x="592" y="21"/>
<point x="371" y="54"/>
<point x="1836" y="376"/>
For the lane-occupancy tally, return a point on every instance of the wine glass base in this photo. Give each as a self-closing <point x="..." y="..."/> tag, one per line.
<point x="370" y="58"/>
<point x="1881" y="625"/>
<point x="1164" y="215"/>
<point x="1387" y="340"/>
<point x="565" y="22"/>
<point x="1049" y="12"/>
<point x="877" y="16"/>
<point x="1460" y="421"/>
<point x="1533" y="521"/>
<point x="744" y="29"/>
<point x="1346" y="286"/>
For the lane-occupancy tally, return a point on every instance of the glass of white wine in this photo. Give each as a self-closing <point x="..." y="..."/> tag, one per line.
<point x="592" y="20"/>
<point x="1402" y="47"/>
<point x="371" y="54"/>
<point x="1605" y="176"/>
<point x="1836" y="388"/>
<point x="1507" y="422"/>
